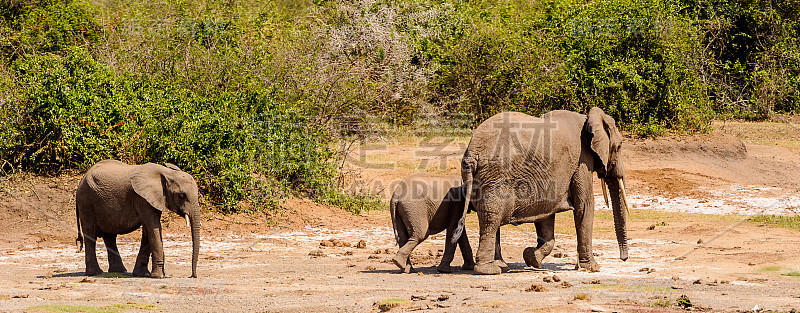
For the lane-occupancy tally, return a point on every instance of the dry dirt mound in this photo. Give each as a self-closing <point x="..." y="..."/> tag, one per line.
<point x="713" y="159"/>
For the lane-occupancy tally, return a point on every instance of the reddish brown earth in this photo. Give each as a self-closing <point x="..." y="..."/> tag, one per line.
<point x="690" y="236"/>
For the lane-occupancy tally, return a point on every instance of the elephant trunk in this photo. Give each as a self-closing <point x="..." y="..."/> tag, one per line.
<point x="194" y="221"/>
<point x="616" y="188"/>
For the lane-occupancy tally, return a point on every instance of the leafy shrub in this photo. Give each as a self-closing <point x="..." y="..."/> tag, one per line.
<point x="245" y="96"/>
<point x="245" y="150"/>
<point x="46" y="26"/>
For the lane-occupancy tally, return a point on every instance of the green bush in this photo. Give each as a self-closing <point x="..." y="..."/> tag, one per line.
<point x="246" y="151"/>
<point x="246" y="96"/>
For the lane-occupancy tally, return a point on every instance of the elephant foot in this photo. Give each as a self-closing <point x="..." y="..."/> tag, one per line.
<point x="444" y="268"/>
<point x="588" y="265"/>
<point x="402" y="263"/>
<point x="140" y="273"/>
<point x="531" y="259"/>
<point x="157" y="274"/>
<point x="502" y="264"/>
<point x="93" y="272"/>
<point x="468" y="266"/>
<point x="117" y="269"/>
<point x="487" y="269"/>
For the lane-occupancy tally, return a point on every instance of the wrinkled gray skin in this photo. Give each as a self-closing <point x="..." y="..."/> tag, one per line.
<point x="426" y="204"/>
<point x="116" y="198"/>
<point x="526" y="169"/>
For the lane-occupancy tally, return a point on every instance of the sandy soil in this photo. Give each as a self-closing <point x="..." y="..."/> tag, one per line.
<point x="691" y="197"/>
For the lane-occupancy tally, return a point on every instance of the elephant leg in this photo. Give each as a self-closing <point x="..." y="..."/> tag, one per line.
<point x="584" y="218"/>
<point x="489" y="222"/>
<point x="498" y="254"/>
<point x="466" y="252"/>
<point x="152" y="225"/>
<point x="115" y="264"/>
<point x="545" y="232"/>
<point x="449" y="252"/>
<point x="90" y="250"/>
<point x="403" y="257"/>
<point x="143" y="259"/>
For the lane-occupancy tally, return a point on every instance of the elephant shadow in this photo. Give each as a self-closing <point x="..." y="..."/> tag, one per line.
<point x="517" y="267"/>
<point x="73" y="274"/>
<point x="425" y="270"/>
<point x="83" y="274"/>
<point x="520" y="267"/>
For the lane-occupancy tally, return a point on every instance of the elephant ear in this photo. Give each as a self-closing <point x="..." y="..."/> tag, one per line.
<point x="597" y="126"/>
<point x="148" y="183"/>
<point x="172" y="166"/>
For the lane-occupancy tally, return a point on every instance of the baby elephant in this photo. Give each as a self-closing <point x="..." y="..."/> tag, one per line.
<point x="423" y="205"/>
<point x="116" y="198"/>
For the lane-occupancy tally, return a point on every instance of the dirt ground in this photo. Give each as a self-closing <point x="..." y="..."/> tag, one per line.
<point x="692" y="244"/>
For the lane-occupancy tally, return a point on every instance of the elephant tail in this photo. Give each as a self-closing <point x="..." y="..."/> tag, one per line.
<point x="79" y="240"/>
<point x="397" y="222"/>
<point x="468" y="165"/>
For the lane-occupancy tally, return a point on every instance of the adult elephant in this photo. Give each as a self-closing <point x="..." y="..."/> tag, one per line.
<point x="523" y="169"/>
<point x="116" y="198"/>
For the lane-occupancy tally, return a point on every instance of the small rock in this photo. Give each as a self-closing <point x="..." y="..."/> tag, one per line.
<point x="680" y="258"/>
<point x="369" y="268"/>
<point x="535" y="288"/>
<point x="699" y="241"/>
<point x="326" y="243"/>
<point x="566" y="284"/>
<point x="597" y="309"/>
<point x="651" y="227"/>
<point x="698" y="282"/>
<point x="597" y="254"/>
<point x="676" y="287"/>
<point x="547" y="279"/>
<point x="558" y="255"/>
<point x="676" y="278"/>
<point x="595" y="282"/>
<point x="351" y="265"/>
<point x="443" y="298"/>
<point x="386" y="251"/>
<point x="430" y="252"/>
<point x="361" y="244"/>
<point x="417" y="298"/>
<point x="48" y="275"/>
<point x="86" y="280"/>
<point x="556" y="278"/>
<point x="373" y="257"/>
<point x="725" y="282"/>
<point x="348" y="252"/>
<point x="316" y="253"/>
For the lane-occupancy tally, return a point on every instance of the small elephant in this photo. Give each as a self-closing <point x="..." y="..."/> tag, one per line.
<point x="116" y="198"/>
<point x="426" y="204"/>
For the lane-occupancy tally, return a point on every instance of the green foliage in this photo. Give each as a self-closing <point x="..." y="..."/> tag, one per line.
<point x="245" y="150"/>
<point x="753" y="64"/>
<point x="43" y="26"/>
<point x="629" y="58"/>
<point x="246" y="96"/>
